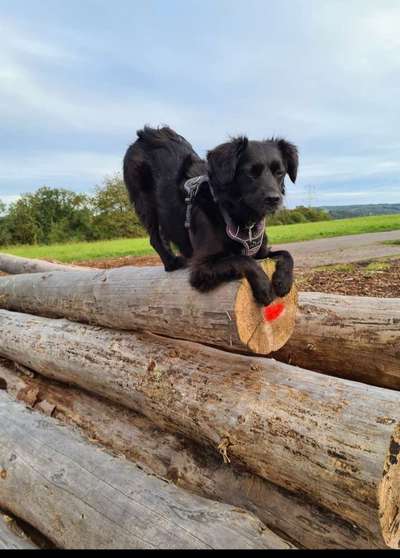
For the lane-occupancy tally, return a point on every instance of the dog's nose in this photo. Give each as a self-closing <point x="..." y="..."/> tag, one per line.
<point x="272" y="200"/>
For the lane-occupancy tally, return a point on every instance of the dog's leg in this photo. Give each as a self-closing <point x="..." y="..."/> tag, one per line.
<point x="263" y="252"/>
<point x="162" y="247"/>
<point x="145" y="205"/>
<point x="282" y="279"/>
<point x="209" y="272"/>
<point x="148" y="215"/>
<point x="171" y="261"/>
<point x="140" y="184"/>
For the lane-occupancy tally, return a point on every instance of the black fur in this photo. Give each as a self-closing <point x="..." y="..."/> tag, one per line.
<point x="248" y="180"/>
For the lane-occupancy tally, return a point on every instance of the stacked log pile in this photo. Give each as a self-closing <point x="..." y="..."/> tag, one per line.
<point x="136" y="413"/>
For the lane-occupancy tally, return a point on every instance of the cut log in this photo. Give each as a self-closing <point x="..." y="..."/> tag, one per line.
<point x="348" y="336"/>
<point x="81" y="497"/>
<point x="185" y="463"/>
<point x="15" y="265"/>
<point x="323" y="438"/>
<point x="11" y="537"/>
<point x="333" y="333"/>
<point x="150" y="299"/>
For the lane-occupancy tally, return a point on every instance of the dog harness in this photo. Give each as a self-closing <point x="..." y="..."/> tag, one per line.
<point x="191" y="188"/>
<point x="250" y="238"/>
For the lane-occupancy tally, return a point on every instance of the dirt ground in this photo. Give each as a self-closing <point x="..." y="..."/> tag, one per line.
<point x="373" y="278"/>
<point x="379" y="278"/>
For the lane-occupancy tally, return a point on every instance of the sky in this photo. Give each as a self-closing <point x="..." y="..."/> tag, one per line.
<point x="79" y="77"/>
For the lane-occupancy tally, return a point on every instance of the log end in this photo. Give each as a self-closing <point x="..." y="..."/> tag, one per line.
<point x="389" y="493"/>
<point x="265" y="330"/>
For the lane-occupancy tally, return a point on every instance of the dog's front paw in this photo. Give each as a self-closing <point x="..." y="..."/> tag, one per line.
<point x="179" y="262"/>
<point x="282" y="282"/>
<point x="263" y="293"/>
<point x="200" y="281"/>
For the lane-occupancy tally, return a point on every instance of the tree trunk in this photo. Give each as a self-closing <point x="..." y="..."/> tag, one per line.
<point x="348" y="336"/>
<point x="82" y="497"/>
<point x="188" y="465"/>
<point x="325" y="439"/>
<point x="16" y="265"/>
<point x="150" y="299"/>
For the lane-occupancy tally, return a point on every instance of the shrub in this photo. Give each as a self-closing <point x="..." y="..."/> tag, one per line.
<point x="114" y="216"/>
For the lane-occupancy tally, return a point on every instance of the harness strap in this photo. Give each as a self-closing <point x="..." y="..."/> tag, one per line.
<point x="191" y="188"/>
<point x="250" y="240"/>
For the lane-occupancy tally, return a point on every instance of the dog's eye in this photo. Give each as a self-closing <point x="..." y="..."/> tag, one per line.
<point x="276" y="169"/>
<point x="256" y="170"/>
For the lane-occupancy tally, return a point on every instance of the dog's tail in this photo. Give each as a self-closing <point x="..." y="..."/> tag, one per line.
<point x="139" y="182"/>
<point x="160" y="137"/>
<point x="182" y="157"/>
<point x="145" y="157"/>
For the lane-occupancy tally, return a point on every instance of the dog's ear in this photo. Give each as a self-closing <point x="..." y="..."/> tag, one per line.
<point x="290" y="155"/>
<point x="224" y="159"/>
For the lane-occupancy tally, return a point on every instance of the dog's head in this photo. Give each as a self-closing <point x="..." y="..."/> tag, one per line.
<point x="248" y="176"/>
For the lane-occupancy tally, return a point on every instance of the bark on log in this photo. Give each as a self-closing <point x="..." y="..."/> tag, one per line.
<point x="15" y="265"/>
<point x="348" y="336"/>
<point x="81" y="497"/>
<point x="186" y="464"/>
<point x="12" y="538"/>
<point x="333" y="333"/>
<point x="150" y="299"/>
<point x="325" y="439"/>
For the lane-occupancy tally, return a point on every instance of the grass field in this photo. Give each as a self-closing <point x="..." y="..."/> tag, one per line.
<point x="140" y="247"/>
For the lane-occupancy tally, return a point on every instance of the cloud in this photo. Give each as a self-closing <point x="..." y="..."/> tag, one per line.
<point x="21" y="42"/>
<point x="78" y="78"/>
<point x="345" y="168"/>
<point x="54" y="165"/>
<point x="27" y="96"/>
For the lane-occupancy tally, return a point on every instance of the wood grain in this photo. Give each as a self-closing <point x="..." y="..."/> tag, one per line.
<point x="79" y="496"/>
<point x="11" y="537"/>
<point x="185" y="463"/>
<point x="324" y="438"/>
<point x="352" y="337"/>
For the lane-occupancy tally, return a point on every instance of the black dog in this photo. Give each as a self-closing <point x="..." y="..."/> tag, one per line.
<point x="213" y="211"/>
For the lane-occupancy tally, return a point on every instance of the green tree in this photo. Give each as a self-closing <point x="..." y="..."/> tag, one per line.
<point x="114" y="216"/>
<point x="52" y="207"/>
<point x="48" y="215"/>
<point x="4" y="232"/>
<point x="21" y="223"/>
<point x="299" y="214"/>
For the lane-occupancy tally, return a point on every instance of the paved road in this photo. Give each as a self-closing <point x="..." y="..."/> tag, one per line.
<point x="307" y="254"/>
<point x="342" y="249"/>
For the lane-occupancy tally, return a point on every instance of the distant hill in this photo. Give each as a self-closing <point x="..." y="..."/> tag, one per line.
<point x="347" y="211"/>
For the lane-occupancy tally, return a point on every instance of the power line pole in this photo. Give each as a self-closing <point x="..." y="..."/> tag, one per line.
<point x="311" y="193"/>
